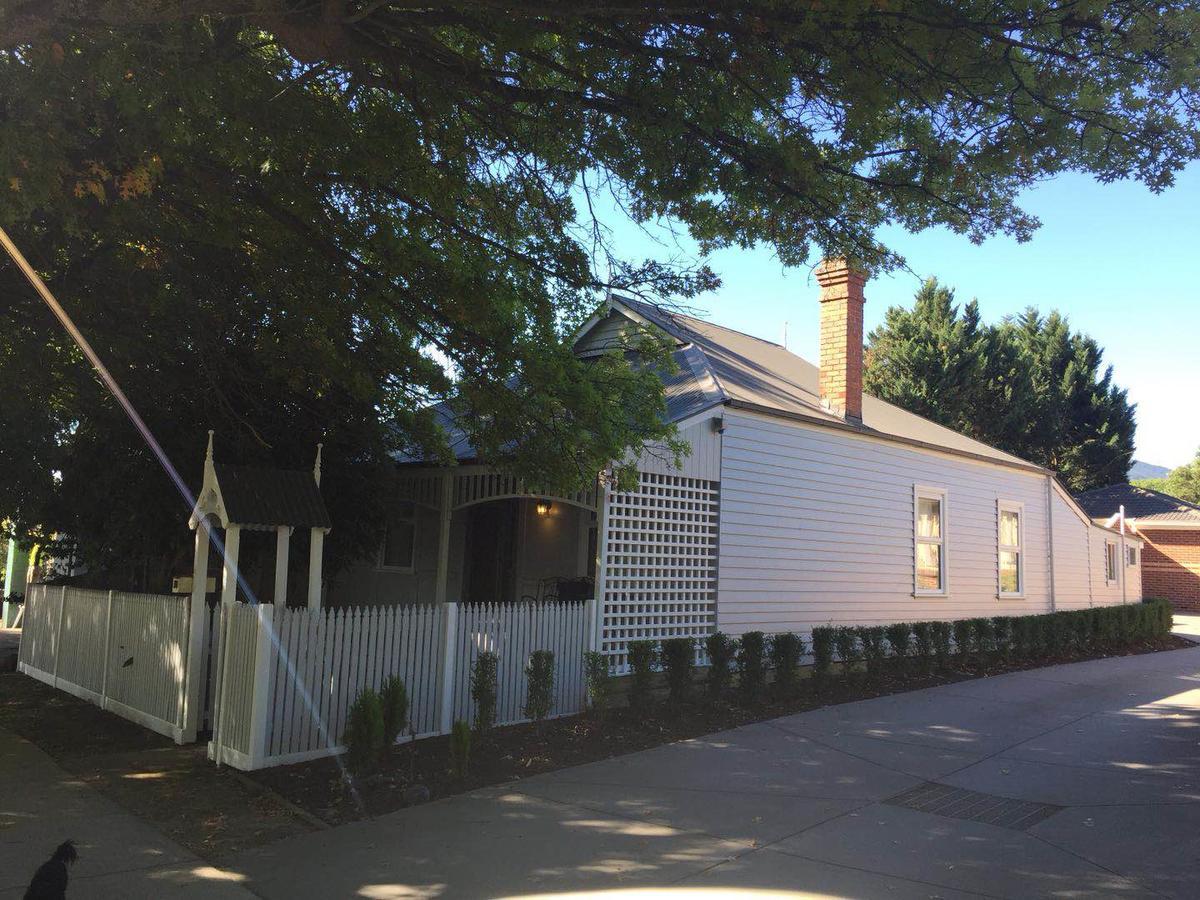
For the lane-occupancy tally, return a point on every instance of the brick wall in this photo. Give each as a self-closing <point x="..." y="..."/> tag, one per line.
<point x="841" y="368"/>
<point x="1171" y="566"/>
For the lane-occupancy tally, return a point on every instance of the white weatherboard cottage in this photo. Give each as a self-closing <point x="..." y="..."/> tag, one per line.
<point x="803" y="502"/>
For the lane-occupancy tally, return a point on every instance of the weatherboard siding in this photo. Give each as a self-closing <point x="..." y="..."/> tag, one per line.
<point x="1072" y="556"/>
<point x="817" y="527"/>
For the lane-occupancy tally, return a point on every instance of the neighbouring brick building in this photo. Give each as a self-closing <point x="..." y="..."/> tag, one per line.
<point x="1171" y="529"/>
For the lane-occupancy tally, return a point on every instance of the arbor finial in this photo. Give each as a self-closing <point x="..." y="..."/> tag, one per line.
<point x="208" y="454"/>
<point x="317" y="466"/>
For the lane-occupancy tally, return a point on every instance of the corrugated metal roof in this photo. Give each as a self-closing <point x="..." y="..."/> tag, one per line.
<point x="271" y="497"/>
<point x="1142" y="504"/>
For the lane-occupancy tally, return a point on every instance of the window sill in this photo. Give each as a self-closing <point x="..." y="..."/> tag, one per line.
<point x="931" y="593"/>
<point x="1010" y="596"/>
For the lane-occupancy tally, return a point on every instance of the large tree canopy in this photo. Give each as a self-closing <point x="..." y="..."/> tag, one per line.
<point x="1182" y="482"/>
<point x="1028" y="385"/>
<point x="292" y="221"/>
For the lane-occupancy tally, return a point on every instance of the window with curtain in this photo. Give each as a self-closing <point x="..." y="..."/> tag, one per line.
<point x="1010" y="537"/>
<point x="930" y="540"/>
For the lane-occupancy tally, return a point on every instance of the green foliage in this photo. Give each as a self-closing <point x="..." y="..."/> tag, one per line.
<point x="786" y="650"/>
<point x="1028" y="385"/>
<point x="962" y="638"/>
<point x="539" y="675"/>
<point x="483" y="691"/>
<point x="1023" y="637"/>
<point x="982" y="640"/>
<point x="364" y="737"/>
<point x="845" y="639"/>
<point x="940" y="633"/>
<point x="822" y="649"/>
<point x="1002" y="637"/>
<point x="679" y="662"/>
<point x="752" y="667"/>
<point x="1057" y="631"/>
<point x="721" y="651"/>
<point x="460" y="749"/>
<point x="899" y="638"/>
<point x="307" y="207"/>
<point x="597" y="675"/>
<point x="874" y="649"/>
<point x="1183" y="482"/>
<point x="393" y="699"/>
<point x="643" y="655"/>
<point x="922" y="633"/>
<point x="1081" y="638"/>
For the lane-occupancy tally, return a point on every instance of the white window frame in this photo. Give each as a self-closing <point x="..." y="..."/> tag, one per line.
<point x="1112" y="574"/>
<point x="927" y="492"/>
<point x="380" y="564"/>
<point x="1011" y="506"/>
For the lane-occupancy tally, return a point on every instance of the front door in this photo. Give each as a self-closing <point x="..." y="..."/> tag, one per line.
<point x="491" y="552"/>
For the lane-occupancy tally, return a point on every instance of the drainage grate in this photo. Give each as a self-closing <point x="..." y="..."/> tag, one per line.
<point x="958" y="803"/>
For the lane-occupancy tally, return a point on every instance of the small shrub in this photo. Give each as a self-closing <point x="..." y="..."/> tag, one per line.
<point x="483" y="691"/>
<point x="845" y="639"/>
<point x="1022" y="637"/>
<point x="786" y="650"/>
<point x="940" y="634"/>
<point x="393" y="698"/>
<point x="822" y="650"/>
<point x="874" y="649"/>
<point x="1055" y="635"/>
<point x="899" y="638"/>
<point x="1002" y="637"/>
<point x="539" y="675"/>
<point x="364" y="732"/>
<point x="1037" y="636"/>
<point x="922" y="649"/>
<point x="752" y="670"/>
<point x="597" y="675"/>
<point x="982" y="640"/>
<point x="679" y="661"/>
<point x="1129" y="624"/>
<point x="460" y="749"/>
<point x="1096" y="620"/>
<point x="642" y="656"/>
<point x="1081" y="632"/>
<point x="721" y="650"/>
<point x="962" y="639"/>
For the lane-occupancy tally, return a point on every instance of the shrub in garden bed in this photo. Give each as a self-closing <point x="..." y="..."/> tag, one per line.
<point x="393" y="701"/>
<point x="982" y="640"/>
<point x="899" y="638"/>
<point x="539" y="694"/>
<point x="679" y="660"/>
<point x="940" y="633"/>
<point x="874" y="649"/>
<point x="483" y="691"/>
<point x="598" y="676"/>
<point x="641" y="673"/>
<point x="845" y="639"/>
<point x="721" y="650"/>
<point x="364" y="732"/>
<point x="922" y="647"/>
<point x="962" y="639"/>
<point x="1002" y="637"/>
<point x="786" y="650"/>
<point x="822" y="650"/>
<point x="752" y="669"/>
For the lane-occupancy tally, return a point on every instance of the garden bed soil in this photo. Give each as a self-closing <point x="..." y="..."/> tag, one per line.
<point x="212" y="812"/>
<point x="322" y="787"/>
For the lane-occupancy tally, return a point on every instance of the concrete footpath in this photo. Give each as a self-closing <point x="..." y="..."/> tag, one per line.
<point x="41" y="805"/>
<point x="1079" y="780"/>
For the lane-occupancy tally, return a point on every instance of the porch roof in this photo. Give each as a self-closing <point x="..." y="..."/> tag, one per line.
<point x="271" y="497"/>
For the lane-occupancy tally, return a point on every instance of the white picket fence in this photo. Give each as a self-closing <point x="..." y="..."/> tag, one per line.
<point x="287" y="678"/>
<point x="124" y="652"/>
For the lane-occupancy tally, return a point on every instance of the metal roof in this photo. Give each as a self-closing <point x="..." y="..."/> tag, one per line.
<point x="1143" y="505"/>
<point x="271" y="497"/>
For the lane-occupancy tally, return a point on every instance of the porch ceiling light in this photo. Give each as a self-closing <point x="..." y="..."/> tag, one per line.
<point x="544" y="507"/>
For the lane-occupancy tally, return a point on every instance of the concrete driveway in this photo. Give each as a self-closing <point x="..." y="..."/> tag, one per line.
<point x="1080" y="780"/>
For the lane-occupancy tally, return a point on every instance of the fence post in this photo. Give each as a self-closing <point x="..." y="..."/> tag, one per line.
<point x="260" y="702"/>
<point x="62" y="604"/>
<point x="107" y="652"/>
<point x="449" y="659"/>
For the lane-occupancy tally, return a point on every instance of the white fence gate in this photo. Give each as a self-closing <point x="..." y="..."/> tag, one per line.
<point x="287" y="678"/>
<point x="124" y="652"/>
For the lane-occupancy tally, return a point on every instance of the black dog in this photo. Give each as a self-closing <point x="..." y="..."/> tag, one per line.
<point x="50" y="880"/>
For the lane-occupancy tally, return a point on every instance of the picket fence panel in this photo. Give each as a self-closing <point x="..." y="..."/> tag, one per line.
<point x="124" y="652"/>
<point x="300" y="670"/>
<point x="513" y="631"/>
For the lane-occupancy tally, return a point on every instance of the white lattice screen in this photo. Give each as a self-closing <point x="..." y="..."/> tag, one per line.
<point x="661" y="562"/>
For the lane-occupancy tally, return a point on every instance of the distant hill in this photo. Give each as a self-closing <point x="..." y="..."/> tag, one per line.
<point x="1141" y="470"/>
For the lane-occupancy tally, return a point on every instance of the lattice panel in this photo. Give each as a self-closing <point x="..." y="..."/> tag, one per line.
<point x="660" y="562"/>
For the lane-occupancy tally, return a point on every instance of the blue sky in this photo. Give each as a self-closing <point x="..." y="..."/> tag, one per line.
<point x="1122" y="263"/>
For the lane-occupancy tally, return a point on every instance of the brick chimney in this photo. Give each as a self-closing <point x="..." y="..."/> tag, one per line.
<point x="841" y="380"/>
